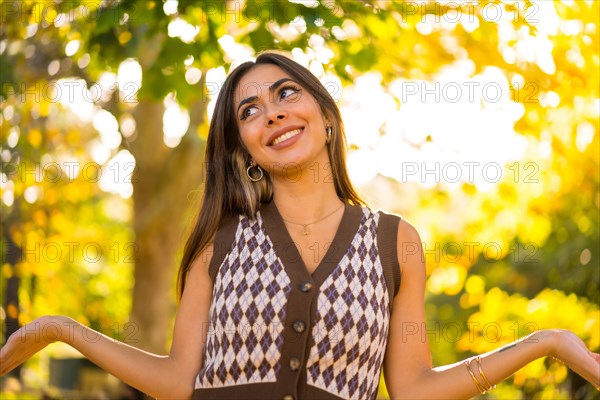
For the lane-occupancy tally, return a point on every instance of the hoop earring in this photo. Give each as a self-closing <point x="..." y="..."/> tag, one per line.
<point x="328" y="131"/>
<point x="249" y="172"/>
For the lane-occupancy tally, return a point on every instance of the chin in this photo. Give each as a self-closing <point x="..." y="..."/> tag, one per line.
<point x="302" y="159"/>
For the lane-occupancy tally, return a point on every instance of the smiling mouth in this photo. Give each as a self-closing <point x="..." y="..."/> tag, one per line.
<point x="286" y="136"/>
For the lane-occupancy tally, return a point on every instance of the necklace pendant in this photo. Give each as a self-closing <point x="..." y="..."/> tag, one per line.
<point x="307" y="231"/>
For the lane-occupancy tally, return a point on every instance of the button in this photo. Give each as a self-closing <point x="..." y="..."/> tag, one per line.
<point x="294" y="364"/>
<point x="305" y="286"/>
<point x="299" y="326"/>
<point x="288" y="397"/>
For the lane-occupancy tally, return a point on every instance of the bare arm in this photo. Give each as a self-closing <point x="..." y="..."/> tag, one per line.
<point x="408" y="370"/>
<point x="170" y="376"/>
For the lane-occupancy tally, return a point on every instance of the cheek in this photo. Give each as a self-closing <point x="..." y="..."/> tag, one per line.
<point x="249" y="136"/>
<point x="315" y="110"/>
<point x="244" y="138"/>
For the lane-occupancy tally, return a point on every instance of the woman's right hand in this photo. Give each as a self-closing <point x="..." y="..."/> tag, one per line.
<point x="28" y="340"/>
<point x="571" y="350"/>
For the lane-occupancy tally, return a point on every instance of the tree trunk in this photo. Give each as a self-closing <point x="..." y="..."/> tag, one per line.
<point x="11" y="295"/>
<point x="162" y="183"/>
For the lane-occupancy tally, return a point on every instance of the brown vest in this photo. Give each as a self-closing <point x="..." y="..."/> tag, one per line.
<point x="278" y="332"/>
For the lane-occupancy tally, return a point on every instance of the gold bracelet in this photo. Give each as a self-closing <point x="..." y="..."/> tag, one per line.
<point x="479" y="386"/>
<point x="485" y="379"/>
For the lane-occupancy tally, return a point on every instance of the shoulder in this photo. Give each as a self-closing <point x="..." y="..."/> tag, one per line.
<point x="203" y="259"/>
<point x="198" y="278"/>
<point x="407" y="233"/>
<point x="410" y="249"/>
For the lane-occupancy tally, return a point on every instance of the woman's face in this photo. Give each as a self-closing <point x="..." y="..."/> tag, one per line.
<point x="279" y="121"/>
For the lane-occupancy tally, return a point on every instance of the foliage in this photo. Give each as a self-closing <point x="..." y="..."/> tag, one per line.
<point x="543" y="214"/>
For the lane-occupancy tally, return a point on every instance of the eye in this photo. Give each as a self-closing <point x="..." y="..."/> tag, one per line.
<point x="289" y="93"/>
<point x="248" y="112"/>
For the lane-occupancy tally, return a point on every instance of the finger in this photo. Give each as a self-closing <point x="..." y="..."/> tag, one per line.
<point x="14" y="353"/>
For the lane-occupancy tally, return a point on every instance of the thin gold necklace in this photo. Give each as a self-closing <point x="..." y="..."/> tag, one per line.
<point x="305" y="229"/>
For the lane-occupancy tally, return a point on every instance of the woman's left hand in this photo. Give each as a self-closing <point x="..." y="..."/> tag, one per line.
<point x="570" y="349"/>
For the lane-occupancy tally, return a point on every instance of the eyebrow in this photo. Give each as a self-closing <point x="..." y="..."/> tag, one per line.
<point x="272" y="88"/>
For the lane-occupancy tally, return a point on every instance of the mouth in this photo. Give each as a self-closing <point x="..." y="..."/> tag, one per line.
<point x="285" y="136"/>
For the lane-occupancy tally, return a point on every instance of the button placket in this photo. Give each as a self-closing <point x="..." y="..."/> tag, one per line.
<point x="297" y="331"/>
<point x="305" y="287"/>
<point x="295" y="364"/>
<point x="299" y="326"/>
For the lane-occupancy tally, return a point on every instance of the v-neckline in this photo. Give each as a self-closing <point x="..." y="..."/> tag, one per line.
<point x="288" y="253"/>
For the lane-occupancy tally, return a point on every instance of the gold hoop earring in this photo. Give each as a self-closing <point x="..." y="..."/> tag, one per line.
<point x="328" y="131"/>
<point x="251" y="175"/>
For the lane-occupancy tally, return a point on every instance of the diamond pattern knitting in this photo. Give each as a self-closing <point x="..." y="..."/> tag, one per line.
<point x="247" y="312"/>
<point x="352" y="320"/>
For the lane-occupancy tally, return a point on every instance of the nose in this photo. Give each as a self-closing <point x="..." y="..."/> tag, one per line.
<point x="276" y="115"/>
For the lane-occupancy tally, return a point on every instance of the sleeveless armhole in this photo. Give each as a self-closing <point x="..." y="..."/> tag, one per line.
<point x="223" y="241"/>
<point x="387" y="242"/>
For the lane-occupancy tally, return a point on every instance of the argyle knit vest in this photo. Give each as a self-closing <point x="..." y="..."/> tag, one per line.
<point x="277" y="331"/>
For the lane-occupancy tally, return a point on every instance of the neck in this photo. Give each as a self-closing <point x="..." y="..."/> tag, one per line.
<point x="307" y="196"/>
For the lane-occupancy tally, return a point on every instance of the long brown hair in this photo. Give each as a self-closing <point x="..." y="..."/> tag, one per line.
<point x="228" y="191"/>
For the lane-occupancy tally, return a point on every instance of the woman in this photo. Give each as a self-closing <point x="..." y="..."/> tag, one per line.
<point x="290" y="286"/>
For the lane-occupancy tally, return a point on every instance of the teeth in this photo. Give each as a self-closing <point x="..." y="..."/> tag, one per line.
<point x="286" y="136"/>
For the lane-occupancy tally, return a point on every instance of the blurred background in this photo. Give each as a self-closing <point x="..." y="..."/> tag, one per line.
<point x="476" y="121"/>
